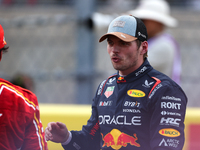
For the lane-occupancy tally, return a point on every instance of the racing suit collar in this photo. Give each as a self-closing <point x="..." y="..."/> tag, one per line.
<point x="143" y="69"/>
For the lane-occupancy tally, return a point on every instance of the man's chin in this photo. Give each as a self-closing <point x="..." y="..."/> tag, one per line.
<point x="117" y="68"/>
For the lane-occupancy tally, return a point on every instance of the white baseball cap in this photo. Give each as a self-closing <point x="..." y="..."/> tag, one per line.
<point x="157" y="10"/>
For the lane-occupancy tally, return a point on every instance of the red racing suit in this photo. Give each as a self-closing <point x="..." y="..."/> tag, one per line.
<point x="144" y="110"/>
<point x="20" y="124"/>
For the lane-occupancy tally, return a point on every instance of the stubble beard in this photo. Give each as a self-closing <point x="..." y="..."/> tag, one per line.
<point x="125" y="65"/>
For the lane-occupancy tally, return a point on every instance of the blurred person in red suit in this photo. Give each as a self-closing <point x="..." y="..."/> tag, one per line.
<point x="20" y="124"/>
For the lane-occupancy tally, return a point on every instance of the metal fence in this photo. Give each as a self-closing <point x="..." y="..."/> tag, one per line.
<point x="45" y="41"/>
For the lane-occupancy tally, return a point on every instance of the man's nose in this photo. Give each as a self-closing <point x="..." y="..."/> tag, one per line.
<point x="115" y="49"/>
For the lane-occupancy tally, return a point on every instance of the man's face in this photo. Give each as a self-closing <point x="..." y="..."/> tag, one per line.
<point x="125" y="56"/>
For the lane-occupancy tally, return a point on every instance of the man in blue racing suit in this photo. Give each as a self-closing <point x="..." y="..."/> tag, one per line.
<point x="138" y="108"/>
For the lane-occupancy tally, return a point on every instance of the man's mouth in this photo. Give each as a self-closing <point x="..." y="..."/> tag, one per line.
<point x="115" y="59"/>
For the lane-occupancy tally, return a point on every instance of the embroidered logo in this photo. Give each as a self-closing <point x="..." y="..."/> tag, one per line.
<point x="135" y="93"/>
<point x="163" y="142"/>
<point x="101" y="87"/>
<point x="109" y="91"/>
<point x="147" y="84"/>
<point x="169" y="132"/>
<point x="119" y="24"/>
<point x="121" y="79"/>
<point x="110" y="81"/>
<point x="117" y="139"/>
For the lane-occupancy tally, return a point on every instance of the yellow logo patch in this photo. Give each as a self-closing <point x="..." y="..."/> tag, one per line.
<point x="169" y="132"/>
<point x="135" y="93"/>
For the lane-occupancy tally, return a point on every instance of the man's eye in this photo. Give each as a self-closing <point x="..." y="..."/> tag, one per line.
<point x="109" y="42"/>
<point x="125" y="43"/>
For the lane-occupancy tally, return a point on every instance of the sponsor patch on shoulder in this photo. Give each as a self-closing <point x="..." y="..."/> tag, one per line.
<point x="100" y="87"/>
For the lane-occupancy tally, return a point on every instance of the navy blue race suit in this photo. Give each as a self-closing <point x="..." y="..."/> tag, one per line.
<point x="144" y="110"/>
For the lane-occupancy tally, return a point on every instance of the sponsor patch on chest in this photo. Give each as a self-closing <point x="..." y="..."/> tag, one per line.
<point x="109" y="91"/>
<point x="135" y="93"/>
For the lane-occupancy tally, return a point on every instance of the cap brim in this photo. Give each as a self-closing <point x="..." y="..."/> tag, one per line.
<point x="120" y="35"/>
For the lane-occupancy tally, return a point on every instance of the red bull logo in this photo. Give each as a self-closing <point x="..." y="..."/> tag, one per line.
<point x="121" y="79"/>
<point x="116" y="139"/>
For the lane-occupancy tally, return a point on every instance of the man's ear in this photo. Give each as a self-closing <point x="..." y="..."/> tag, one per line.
<point x="144" y="46"/>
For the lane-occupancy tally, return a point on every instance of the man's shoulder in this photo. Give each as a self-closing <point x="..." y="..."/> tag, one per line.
<point x="164" y="85"/>
<point x="107" y="81"/>
<point x="18" y="95"/>
<point x="5" y="83"/>
<point x="164" y="79"/>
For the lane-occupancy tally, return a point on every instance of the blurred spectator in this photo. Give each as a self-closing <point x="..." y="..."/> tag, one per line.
<point x="24" y="81"/>
<point x="164" y="53"/>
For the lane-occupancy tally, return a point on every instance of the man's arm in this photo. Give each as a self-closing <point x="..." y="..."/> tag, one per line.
<point x="167" y="121"/>
<point x="34" y="133"/>
<point x="87" y="138"/>
<point x="57" y="132"/>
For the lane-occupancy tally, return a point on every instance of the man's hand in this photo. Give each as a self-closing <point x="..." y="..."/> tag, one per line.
<point x="56" y="132"/>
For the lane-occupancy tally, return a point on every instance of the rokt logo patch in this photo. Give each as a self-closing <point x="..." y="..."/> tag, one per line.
<point x="169" y="132"/>
<point x="135" y="93"/>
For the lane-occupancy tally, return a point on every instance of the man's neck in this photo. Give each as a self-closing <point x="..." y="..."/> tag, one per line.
<point x="130" y="70"/>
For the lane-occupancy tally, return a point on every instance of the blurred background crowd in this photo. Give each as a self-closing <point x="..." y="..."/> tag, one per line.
<point x="54" y="49"/>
